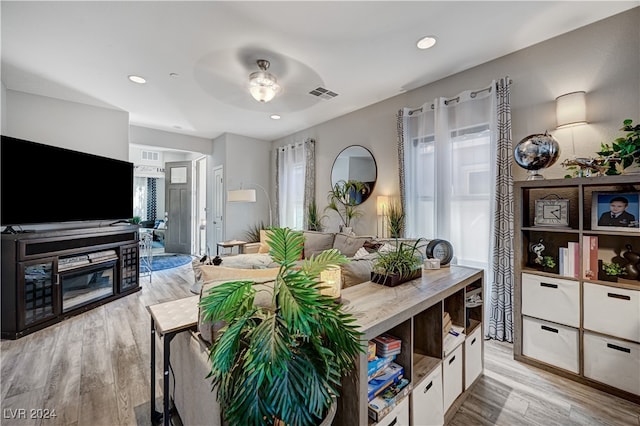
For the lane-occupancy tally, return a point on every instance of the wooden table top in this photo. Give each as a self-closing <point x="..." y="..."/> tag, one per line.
<point x="175" y="315"/>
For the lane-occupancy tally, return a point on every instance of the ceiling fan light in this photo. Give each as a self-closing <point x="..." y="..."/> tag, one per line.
<point x="263" y="85"/>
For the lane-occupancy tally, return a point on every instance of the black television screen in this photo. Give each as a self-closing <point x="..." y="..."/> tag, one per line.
<point x="44" y="184"/>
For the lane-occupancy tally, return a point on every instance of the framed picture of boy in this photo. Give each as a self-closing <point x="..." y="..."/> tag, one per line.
<point x="615" y="211"/>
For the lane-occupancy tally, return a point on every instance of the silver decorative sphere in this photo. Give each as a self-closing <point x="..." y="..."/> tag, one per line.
<point x="536" y="152"/>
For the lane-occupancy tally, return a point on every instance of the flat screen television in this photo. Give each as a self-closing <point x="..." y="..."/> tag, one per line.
<point x="44" y="184"/>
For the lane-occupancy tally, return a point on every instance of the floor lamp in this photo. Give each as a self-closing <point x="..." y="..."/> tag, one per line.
<point x="249" y="196"/>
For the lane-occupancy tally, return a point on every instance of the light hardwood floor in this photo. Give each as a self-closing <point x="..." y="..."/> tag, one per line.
<point x="93" y="369"/>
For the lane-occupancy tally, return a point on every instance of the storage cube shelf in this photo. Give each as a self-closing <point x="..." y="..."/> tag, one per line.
<point x="413" y="312"/>
<point x="569" y="320"/>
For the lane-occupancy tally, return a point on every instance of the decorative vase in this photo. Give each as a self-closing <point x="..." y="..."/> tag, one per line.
<point x="346" y="230"/>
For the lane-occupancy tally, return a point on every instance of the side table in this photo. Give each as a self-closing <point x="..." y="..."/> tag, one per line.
<point x="231" y="245"/>
<point x="168" y="319"/>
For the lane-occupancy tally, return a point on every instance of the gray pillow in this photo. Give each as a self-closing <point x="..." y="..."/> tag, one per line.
<point x="317" y="242"/>
<point x="348" y="244"/>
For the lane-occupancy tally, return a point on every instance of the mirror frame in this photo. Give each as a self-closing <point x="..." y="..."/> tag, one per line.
<point x="375" y="165"/>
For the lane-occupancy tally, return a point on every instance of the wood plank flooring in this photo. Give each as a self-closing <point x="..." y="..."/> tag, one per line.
<point x="93" y="369"/>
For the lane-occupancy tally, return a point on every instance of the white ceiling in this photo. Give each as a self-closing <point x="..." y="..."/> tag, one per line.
<point x="83" y="51"/>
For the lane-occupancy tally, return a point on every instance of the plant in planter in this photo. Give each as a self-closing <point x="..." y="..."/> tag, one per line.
<point x="624" y="151"/>
<point x="314" y="220"/>
<point x="281" y="363"/>
<point x="396" y="218"/>
<point x="399" y="265"/>
<point x="343" y="200"/>
<point x="612" y="271"/>
<point x="253" y="233"/>
<point x="548" y="263"/>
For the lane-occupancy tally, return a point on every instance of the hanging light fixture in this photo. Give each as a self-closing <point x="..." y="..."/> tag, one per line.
<point x="263" y="85"/>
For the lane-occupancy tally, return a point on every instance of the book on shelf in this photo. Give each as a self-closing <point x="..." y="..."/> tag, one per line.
<point x="390" y="374"/>
<point x="382" y="404"/>
<point x="590" y="257"/>
<point x="574" y="259"/>
<point x="377" y="365"/>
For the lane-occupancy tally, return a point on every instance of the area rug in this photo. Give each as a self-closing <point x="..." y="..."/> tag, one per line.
<point x="168" y="261"/>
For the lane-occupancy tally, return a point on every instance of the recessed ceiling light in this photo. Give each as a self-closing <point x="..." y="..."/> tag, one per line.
<point x="426" y="42"/>
<point x="137" y="79"/>
<point x="174" y="75"/>
<point x="275" y="117"/>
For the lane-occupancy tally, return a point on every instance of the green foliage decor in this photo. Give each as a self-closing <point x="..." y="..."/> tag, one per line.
<point x="613" y="269"/>
<point x="253" y="233"/>
<point x="396" y="218"/>
<point x="403" y="260"/>
<point x="341" y="199"/>
<point x="314" y="220"/>
<point x="624" y="151"/>
<point x="281" y="363"/>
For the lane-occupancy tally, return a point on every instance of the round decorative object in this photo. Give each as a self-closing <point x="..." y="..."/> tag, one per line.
<point x="440" y="249"/>
<point x="536" y="152"/>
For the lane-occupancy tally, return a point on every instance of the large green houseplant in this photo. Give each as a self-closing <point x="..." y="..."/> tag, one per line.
<point x="343" y="199"/>
<point x="281" y="363"/>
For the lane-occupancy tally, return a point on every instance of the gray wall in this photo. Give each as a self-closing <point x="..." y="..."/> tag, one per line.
<point x="603" y="59"/>
<point x="71" y="125"/>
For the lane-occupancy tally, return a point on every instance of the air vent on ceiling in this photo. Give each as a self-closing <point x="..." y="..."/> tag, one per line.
<point x="323" y="93"/>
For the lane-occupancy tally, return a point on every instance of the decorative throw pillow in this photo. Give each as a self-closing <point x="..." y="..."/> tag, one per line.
<point x="264" y="247"/>
<point x="361" y="253"/>
<point x="349" y="245"/>
<point x="317" y="242"/>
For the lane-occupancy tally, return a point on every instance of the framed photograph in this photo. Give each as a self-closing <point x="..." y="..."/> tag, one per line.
<point x="615" y="211"/>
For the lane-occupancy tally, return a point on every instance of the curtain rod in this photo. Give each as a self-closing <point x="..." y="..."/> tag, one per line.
<point x="457" y="98"/>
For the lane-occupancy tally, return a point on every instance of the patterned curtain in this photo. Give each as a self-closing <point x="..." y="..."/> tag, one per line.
<point x="502" y="278"/>
<point x="401" y="170"/>
<point x="151" y="198"/>
<point x="309" y="178"/>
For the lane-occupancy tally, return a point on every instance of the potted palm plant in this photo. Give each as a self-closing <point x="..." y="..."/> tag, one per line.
<point x="314" y="220"/>
<point x="399" y="265"/>
<point x="343" y="199"/>
<point x="281" y="362"/>
<point x="396" y="217"/>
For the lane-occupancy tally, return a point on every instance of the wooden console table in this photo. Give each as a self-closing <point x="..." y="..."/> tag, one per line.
<point x="167" y="320"/>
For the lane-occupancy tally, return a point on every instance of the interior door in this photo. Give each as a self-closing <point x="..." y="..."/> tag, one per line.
<point x="218" y="205"/>
<point x="178" y="200"/>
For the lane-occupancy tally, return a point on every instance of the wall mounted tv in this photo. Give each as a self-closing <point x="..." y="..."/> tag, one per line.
<point x="43" y="184"/>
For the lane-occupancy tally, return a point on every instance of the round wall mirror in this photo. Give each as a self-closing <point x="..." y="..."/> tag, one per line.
<point x="355" y="163"/>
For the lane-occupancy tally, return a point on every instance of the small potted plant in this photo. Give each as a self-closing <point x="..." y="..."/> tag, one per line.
<point x="611" y="271"/>
<point x="548" y="263"/>
<point x="343" y="199"/>
<point x="314" y="220"/>
<point x="399" y="265"/>
<point x="396" y="218"/>
<point x="281" y="362"/>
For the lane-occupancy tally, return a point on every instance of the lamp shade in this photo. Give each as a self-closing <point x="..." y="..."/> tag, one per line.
<point x="571" y="109"/>
<point x="331" y="279"/>
<point x="242" y="196"/>
<point x="382" y="203"/>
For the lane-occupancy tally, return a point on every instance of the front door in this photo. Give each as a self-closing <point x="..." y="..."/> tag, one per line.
<point x="178" y="199"/>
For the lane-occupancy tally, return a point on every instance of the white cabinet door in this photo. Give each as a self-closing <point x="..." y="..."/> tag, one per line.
<point x="552" y="343"/>
<point x="399" y="416"/>
<point x="472" y="357"/>
<point x="452" y="377"/>
<point x="612" y="361"/>
<point x="551" y="299"/>
<point x="426" y="400"/>
<point x="611" y="310"/>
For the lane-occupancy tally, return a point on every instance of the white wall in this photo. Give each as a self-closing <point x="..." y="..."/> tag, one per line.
<point x="3" y="107"/>
<point x="160" y="138"/>
<point x="85" y="128"/>
<point x="603" y="59"/>
<point x="247" y="162"/>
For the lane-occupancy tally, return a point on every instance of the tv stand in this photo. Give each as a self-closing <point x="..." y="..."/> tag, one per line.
<point x="48" y="276"/>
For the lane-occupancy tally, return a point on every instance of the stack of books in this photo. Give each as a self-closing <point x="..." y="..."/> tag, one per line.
<point x="387" y="345"/>
<point x="382" y="404"/>
<point x="389" y="375"/>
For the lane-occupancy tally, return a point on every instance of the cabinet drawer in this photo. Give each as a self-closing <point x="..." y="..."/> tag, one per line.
<point x="612" y="361"/>
<point x="473" y="357"/>
<point x="426" y="400"/>
<point x="551" y="299"/>
<point x="452" y="377"/>
<point x="399" y="416"/>
<point x="614" y="311"/>
<point x="552" y="343"/>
